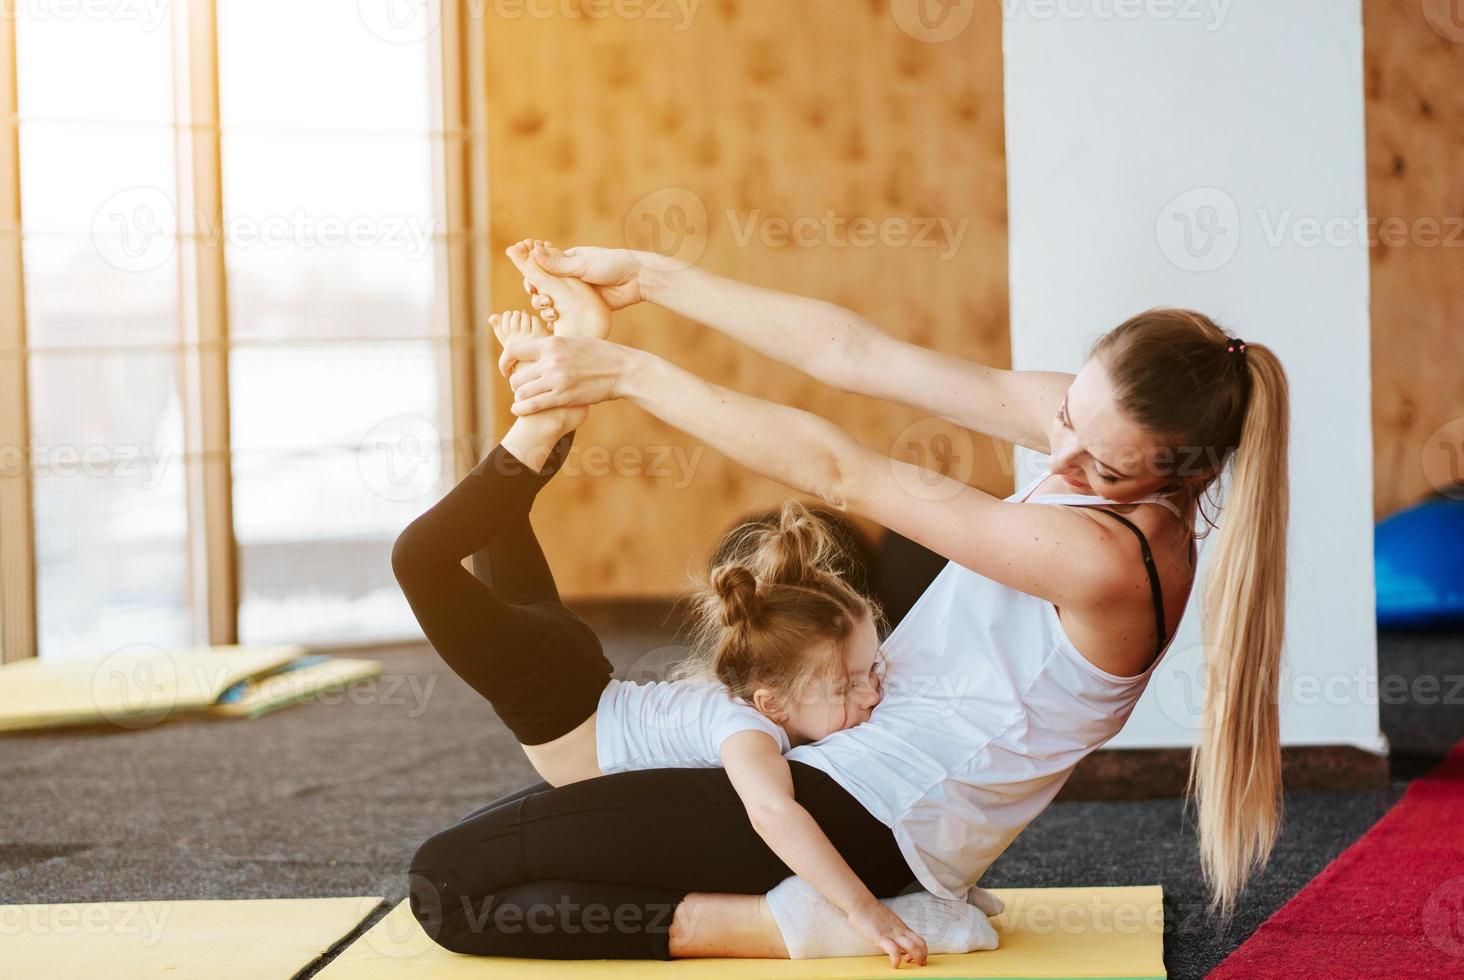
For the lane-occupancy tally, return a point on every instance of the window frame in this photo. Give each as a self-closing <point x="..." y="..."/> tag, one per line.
<point x="203" y="338"/>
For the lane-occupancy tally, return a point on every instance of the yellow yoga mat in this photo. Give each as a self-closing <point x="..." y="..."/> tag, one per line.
<point x="268" y="939"/>
<point x="131" y="688"/>
<point x="1045" y="933"/>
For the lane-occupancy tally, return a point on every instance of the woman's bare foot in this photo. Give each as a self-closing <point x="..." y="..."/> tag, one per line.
<point x="533" y="436"/>
<point x="572" y="306"/>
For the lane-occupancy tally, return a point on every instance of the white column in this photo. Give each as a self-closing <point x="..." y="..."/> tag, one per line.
<point x="1211" y="155"/>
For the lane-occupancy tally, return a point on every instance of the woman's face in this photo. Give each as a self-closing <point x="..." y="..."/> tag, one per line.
<point x="837" y="698"/>
<point x="1097" y="450"/>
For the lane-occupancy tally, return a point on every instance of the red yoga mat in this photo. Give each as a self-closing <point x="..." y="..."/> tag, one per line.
<point x="1391" y="905"/>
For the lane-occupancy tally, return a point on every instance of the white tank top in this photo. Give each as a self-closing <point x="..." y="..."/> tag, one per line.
<point x="672" y="725"/>
<point x="987" y="708"/>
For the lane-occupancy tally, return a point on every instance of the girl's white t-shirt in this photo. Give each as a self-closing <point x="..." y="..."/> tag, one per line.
<point x="672" y="725"/>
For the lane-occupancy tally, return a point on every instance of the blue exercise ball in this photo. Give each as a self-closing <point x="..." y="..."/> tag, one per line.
<point x="1419" y="554"/>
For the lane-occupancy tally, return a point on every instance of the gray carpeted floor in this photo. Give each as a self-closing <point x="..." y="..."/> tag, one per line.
<point x="331" y="798"/>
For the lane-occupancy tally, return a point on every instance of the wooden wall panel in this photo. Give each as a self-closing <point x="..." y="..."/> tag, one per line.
<point x="757" y="108"/>
<point x="1414" y="60"/>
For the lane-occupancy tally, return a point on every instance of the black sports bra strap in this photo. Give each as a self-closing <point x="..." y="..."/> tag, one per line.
<point x="1153" y="576"/>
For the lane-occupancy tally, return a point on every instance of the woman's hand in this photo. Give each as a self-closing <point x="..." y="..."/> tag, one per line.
<point x="879" y="924"/>
<point x="554" y="372"/>
<point x="614" y="272"/>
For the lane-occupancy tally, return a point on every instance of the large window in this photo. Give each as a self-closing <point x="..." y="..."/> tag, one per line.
<point x="95" y="100"/>
<point x="333" y="328"/>
<point x="339" y="336"/>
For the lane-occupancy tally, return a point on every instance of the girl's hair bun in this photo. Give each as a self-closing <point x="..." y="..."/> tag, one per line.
<point x="736" y="587"/>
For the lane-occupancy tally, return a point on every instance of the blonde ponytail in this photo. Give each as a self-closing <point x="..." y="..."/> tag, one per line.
<point x="1178" y="375"/>
<point x="1235" y="775"/>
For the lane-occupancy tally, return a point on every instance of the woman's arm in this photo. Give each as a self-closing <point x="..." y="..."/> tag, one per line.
<point x="1043" y="551"/>
<point x="843" y="349"/>
<point x="833" y="344"/>
<point x="761" y="777"/>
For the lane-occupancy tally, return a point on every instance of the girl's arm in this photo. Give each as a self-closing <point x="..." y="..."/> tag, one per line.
<point x="1043" y="551"/>
<point x="762" y="779"/>
<point x="834" y="345"/>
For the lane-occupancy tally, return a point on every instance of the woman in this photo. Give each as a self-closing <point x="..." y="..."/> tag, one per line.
<point x="1026" y="653"/>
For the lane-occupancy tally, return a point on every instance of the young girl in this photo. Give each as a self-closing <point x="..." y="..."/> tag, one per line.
<point x="787" y="654"/>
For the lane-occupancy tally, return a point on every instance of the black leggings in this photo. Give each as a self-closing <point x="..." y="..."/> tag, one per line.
<point x="593" y="869"/>
<point x="502" y="627"/>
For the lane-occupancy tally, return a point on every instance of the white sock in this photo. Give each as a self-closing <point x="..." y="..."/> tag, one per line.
<point x="985" y="901"/>
<point x="813" y="927"/>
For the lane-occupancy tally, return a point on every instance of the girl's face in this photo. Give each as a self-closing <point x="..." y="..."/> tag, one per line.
<point x="838" y="698"/>
<point x="1097" y="450"/>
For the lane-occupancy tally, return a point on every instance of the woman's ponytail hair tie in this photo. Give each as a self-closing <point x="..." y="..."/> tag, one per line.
<point x="1234" y="345"/>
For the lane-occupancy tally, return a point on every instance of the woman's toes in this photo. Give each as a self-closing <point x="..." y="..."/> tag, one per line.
<point x="537" y="327"/>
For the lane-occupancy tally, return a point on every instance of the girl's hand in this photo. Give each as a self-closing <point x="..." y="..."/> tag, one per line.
<point x="614" y="272"/>
<point x="555" y="372"/>
<point x="876" y="922"/>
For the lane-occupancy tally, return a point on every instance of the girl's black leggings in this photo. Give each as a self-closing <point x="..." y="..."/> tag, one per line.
<point x="594" y="869"/>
